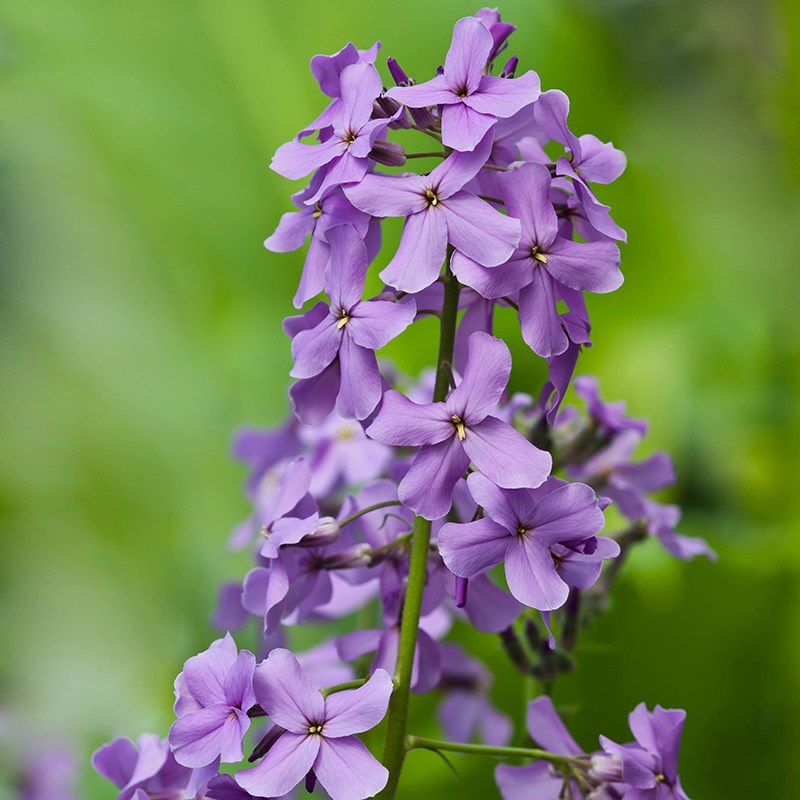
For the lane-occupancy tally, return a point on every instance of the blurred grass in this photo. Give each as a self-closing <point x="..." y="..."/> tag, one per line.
<point x="141" y="325"/>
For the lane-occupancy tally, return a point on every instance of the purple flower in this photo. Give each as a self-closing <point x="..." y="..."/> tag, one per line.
<point x="588" y="159"/>
<point x="650" y="767"/>
<point x="543" y="262"/>
<point x="532" y="532"/>
<point x="338" y="341"/>
<point x="610" y="418"/>
<point x="344" y="153"/>
<point x="295" y="226"/>
<point x="540" y="780"/>
<point x="140" y="770"/>
<point x="460" y="430"/>
<point x="319" y="734"/>
<point x="213" y="694"/>
<point x="438" y="211"/>
<point x="472" y="102"/>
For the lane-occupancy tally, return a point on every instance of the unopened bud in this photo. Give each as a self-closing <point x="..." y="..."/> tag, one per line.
<point x="510" y="68"/>
<point x="389" y="153"/>
<point x="605" y="769"/>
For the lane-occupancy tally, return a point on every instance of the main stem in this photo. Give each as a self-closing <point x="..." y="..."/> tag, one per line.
<point x="395" y="747"/>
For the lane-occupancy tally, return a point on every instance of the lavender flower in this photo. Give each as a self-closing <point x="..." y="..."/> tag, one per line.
<point x="213" y="694"/>
<point x="339" y="341"/>
<point x="319" y="735"/>
<point x="460" y="430"/>
<point x="471" y="101"/>
<point x="534" y="532"/>
<point x="438" y="210"/>
<point x="650" y="767"/>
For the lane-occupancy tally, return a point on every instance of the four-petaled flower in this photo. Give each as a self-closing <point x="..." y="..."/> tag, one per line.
<point x="320" y="733"/>
<point x="460" y="430"/>
<point x="471" y="101"/>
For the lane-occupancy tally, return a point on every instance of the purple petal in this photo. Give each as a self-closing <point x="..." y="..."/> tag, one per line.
<point x="504" y="97"/>
<point x="526" y="191"/>
<point x="467" y="56"/>
<point x="569" y="513"/>
<point x="581" y="570"/>
<point x="292" y="231"/>
<point x="484" y="381"/>
<point x="650" y="475"/>
<point x="550" y="112"/>
<point x="402" y="422"/>
<point x="418" y="259"/>
<point x="389" y="195"/>
<point x="547" y="730"/>
<point x="286" y="694"/>
<point x="357" y="644"/>
<point x="314" y="398"/>
<point x="347" y="770"/>
<point x="531" y="782"/>
<point x="315" y="349"/>
<point x="598" y="214"/>
<point x="489" y="608"/>
<point x="430" y="93"/>
<point x="116" y="761"/>
<point x="283" y="767"/>
<point x="505" y="456"/>
<point x="585" y="266"/>
<point x="532" y="576"/>
<point x="538" y="315"/>
<point x="427" y="488"/>
<point x="327" y="69"/>
<point x="458" y="169"/>
<point x="659" y="733"/>
<point x="361" y="386"/>
<point x="204" y="674"/>
<point x="312" y="279"/>
<point x="463" y="128"/>
<point x="359" y="85"/>
<point x="200" y="737"/>
<point x="295" y="160"/>
<point x="479" y="231"/>
<point x="347" y="271"/>
<point x="471" y="548"/>
<point x="508" y="507"/>
<point x="686" y="547"/>
<point x="374" y="323"/>
<point x="358" y="710"/>
<point x="493" y="282"/>
<point x="293" y="487"/>
<point x="600" y="162"/>
<point x="286" y="531"/>
<point x="238" y="684"/>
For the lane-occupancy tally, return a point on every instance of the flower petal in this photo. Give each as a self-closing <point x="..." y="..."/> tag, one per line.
<point x="526" y="191"/>
<point x="427" y="487"/>
<point x="314" y="398"/>
<point x="463" y="128"/>
<point x="547" y="730"/>
<point x="504" y="97"/>
<point x="200" y="737"/>
<point x="374" y="323"/>
<point x="532" y="576"/>
<point x="567" y="514"/>
<point x="358" y="710"/>
<point x="315" y="349"/>
<point x="485" y="378"/>
<point x="479" y="231"/>
<point x="505" y="456"/>
<point x="361" y="387"/>
<point x="473" y="547"/>
<point x="389" y="195"/>
<point x="467" y="56"/>
<point x="286" y="694"/>
<point x="402" y="422"/>
<point x="295" y="160"/>
<point x="347" y="269"/>
<point x="347" y="770"/>
<point x="538" y="315"/>
<point x="585" y="266"/>
<point x="286" y="763"/>
<point x="431" y="93"/>
<point x="419" y="258"/>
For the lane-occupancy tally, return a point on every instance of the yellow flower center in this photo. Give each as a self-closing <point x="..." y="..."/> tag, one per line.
<point x="433" y="199"/>
<point x="537" y="255"/>
<point x="316" y="729"/>
<point x="460" y="429"/>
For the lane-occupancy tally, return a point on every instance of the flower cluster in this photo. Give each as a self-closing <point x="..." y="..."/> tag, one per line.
<point x="401" y="507"/>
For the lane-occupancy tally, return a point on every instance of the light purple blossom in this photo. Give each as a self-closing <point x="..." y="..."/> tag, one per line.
<point x="471" y="101"/>
<point x="650" y="767"/>
<point x="460" y="430"/>
<point x="320" y="733"/>
<point x="545" y="538"/>
<point x="438" y="210"/>
<point x="334" y="346"/>
<point x="142" y="769"/>
<point x="344" y="154"/>
<point x="213" y="694"/>
<point x="543" y="262"/>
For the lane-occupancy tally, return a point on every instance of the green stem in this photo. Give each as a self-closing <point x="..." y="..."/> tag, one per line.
<point x="397" y="723"/>
<point x="439" y="154"/>
<point x="342" y="687"/>
<point x="367" y="510"/>
<point x="421" y="743"/>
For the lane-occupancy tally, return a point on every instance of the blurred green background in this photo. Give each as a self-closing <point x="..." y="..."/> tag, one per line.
<point x="141" y="326"/>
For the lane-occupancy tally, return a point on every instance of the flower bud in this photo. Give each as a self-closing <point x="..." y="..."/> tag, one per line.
<point x="326" y="532"/>
<point x="606" y="769"/>
<point x="389" y="153"/>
